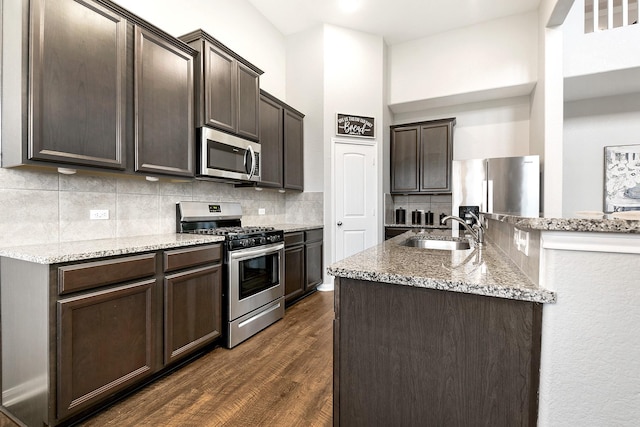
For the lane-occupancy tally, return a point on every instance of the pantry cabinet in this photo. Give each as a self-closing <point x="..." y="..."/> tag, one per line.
<point x="421" y="156"/>
<point x="227" y="87"/>
<point x="95" y="87"/>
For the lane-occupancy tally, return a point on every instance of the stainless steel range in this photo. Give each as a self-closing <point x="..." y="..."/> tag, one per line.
<point x="253" y="295"/>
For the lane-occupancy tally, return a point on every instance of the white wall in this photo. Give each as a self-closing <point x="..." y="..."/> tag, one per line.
<point x="589" y="126"/>
<point x="353" y="84"/>
<point x="235" y="23"/>
<point x="496" y="54"/>
<point x="589" y="357"/>
<point x="305" y="92"/>
<point x="598" y="52"/>
<point x="498" y="128"/>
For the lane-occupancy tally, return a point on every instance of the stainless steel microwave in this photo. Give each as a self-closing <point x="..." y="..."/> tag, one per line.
<point x="225" y="156"/>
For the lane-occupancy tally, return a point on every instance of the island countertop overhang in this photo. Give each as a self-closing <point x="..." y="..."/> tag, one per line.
<point x="483" y="270"/>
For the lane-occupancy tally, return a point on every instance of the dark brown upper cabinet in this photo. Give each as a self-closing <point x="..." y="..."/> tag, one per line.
<point x="227" y="87"/>
<point x="271" y="122"/>
<point x="78" y="84"/>
<point x="164" y="103"/>
<point x="282" y="141"/>
<point x="421" y="155"/>
<point x="93" y="86"/>
<point x="293" y="150"/>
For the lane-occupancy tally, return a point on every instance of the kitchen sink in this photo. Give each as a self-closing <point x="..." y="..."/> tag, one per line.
<point x="450" y="244"/>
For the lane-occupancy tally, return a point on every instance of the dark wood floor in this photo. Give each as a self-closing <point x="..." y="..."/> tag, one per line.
<point x="280" y="377"/>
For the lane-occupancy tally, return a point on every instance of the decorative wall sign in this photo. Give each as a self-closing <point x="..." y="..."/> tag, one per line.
<point x="359" y="126"/>
<point x="622" y="178"/>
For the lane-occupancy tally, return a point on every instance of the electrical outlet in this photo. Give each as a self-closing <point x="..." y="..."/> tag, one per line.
<point x="521" y="241"/>
<point x="261" y="211"/>
<point x="99" y="214"/>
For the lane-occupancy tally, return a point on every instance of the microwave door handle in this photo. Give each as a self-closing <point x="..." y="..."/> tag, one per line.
<point x="253" y="161"/>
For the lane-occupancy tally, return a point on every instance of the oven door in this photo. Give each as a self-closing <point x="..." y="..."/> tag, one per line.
<point x="226" y="156"/>
<point x="255" y="278"/>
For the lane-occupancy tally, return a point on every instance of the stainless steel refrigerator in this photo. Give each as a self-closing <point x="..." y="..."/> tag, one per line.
<point x="506" y="185"/>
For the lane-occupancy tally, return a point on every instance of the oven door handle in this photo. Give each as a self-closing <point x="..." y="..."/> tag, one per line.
<point x="246" y="253"/>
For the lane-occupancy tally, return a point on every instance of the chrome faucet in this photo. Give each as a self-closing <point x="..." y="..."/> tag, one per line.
<point x="476" y="231"/>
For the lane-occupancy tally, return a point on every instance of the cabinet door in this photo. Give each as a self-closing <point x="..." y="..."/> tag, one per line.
<point x="293" y="151"/>
<point x="435" y="158"/>
<point x="404" y="159"/>
<point x="248" y="102"/>
<point x="390" y="232"/>
<point x="78" y="84"/>
<point x="220" y="81"/>
<point x="105" y="343"/>
<point x="294" y="280"/>
<point x="193" y="310"/>
<point x="164" y="141"/>
<point x="271" y="143"/>
<point x="313" y="264"/>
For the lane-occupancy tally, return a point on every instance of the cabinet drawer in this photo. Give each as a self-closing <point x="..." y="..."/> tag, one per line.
<point x="189" y="257"/>
<point x="72" y="278"/>
<point x="313" y="235"/>
<point x="296" y="238"/>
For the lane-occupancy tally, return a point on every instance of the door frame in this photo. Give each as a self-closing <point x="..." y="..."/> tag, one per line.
<point x="332" y="214"/>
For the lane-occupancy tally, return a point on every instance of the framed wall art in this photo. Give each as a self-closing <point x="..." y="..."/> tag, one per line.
<point x="621" y="178"/>
<point x="352" y="125"/>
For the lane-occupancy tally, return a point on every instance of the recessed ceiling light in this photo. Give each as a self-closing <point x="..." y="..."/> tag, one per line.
<point x="349" y="6"/>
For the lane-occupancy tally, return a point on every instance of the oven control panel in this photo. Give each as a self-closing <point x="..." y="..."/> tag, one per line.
<point x="246" y="241"/>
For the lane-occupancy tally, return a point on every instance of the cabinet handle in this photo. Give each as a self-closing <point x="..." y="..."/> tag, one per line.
<point x="339" y="223"/>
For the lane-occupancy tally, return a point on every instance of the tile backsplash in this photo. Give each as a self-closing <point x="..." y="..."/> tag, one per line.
<point x="435" y="203"/>
<point x="41" y="206"/>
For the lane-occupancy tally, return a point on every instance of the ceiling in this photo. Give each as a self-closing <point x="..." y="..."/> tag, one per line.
<point x="396" y="21"/>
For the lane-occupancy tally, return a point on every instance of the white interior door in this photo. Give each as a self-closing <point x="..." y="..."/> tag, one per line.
<point x="355" y="197"/>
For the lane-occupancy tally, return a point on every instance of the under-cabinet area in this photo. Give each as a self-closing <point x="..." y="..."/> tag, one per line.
<point x="77" y="334"/>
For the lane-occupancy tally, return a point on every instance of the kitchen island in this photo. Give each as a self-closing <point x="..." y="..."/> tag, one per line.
<point x="435" y="337"/>
<point x="537" y="328"/>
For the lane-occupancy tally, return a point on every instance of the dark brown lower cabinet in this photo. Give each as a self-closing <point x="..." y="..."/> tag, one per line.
<point x="303" y="262"/>
<point x="422" y="357"/>
<point x="192" y="315"/>
<point x="314" y="273"/>
<point x="79" y="335"/>
<point x="105" y="344"/>
<point x="294" y="266"/>
<point x="390" y="232"/>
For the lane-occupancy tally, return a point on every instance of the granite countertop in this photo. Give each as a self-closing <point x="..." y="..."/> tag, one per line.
<point x="481" y="271"/>
<point x="54" y="253"/>
<point x="289" y="228"/>
<point x="603" y="224"/>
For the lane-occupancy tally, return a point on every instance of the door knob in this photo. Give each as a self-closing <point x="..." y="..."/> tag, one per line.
<point x="339" y="223"/>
